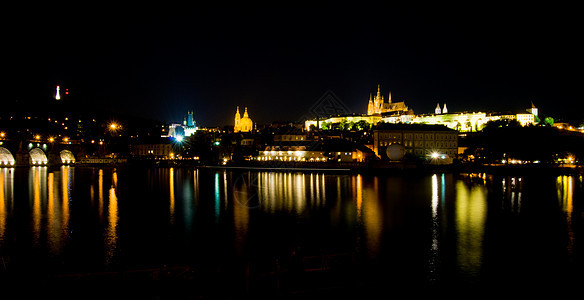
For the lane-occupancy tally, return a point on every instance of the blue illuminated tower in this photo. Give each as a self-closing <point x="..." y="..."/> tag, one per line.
<point x="190" y="120"/>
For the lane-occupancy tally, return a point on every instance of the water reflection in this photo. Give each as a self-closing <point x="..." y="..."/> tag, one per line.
<point x="242" y="192"/>
<point x="434" y="249"/>
<point x="565" y="188"/>
<point x="370" y="213"/>
<point x="111" y="234"/>
<point x="37" y="186"/>
<point x="512" y="193"/>
<point x="289" y="192"/>
<point x="470" y="216"/>
<point x="171" y="180"/>
<point x="6" y="199"/>
<point x="423" y="219"/>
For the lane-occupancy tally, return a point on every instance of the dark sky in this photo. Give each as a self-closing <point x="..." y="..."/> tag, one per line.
<point x="159" y="62"/>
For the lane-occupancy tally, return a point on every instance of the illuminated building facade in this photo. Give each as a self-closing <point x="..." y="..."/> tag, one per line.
<point x="398" y="113"/>
<point x="378" y="105"/>
<point x="464" y="122"/>
<point x="373" y="119"/>
<point x="187" y="128"/>
<point x="242" y="124"/>
<point x="153" y="150"/>
<point x="431" y="142"/>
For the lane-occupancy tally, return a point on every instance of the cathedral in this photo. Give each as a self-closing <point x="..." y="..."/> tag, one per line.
<point x="378" y="105"/>
<point x="242" y="124"/>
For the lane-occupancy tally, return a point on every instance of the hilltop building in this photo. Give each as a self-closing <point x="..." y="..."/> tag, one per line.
<point x="378" y="110"/>
<point x="378" y="105"/>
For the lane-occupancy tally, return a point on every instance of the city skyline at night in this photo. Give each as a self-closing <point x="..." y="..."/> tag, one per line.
<point x="291" y="150"/>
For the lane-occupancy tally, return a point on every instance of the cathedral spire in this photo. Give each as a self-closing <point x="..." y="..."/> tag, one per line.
<point x="378" y="92"/>
<point x="389" y="99"/>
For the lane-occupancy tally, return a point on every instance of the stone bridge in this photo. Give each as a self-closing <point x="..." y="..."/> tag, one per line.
<point x="33" y="153"/>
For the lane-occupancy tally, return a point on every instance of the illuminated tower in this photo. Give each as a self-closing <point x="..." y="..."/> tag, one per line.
<point x="58" y="95"/>
<point x="190" y="126"/>
<point x="533" y="109"/>
<point x="190" y="121"/>
<point x="378" y="102"/>
<point x="370" y="107"/>
<point x="236" y="126"/>
<point x="445" y="110"/>
<point x="438" y="110"/>
<point x="246" y="125"/>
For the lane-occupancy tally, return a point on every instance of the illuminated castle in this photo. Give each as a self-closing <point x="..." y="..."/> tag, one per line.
<point x="242" y="124"/>
<point x="378" y="105"/>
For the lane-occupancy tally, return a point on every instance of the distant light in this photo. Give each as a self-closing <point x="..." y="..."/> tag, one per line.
<point x="435" y="155"/>
<point x="58" y="95"/>
<point x="179" y="138"/>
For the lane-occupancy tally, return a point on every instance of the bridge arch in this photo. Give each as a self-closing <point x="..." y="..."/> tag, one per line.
<point x="6" y="157"/>
<point x="38" y="157"/>
<point x="67" y="157"/>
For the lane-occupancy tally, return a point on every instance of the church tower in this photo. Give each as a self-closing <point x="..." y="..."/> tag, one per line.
<point x="438" y="110"/>
<point x="378" y="102"/>
<point x="242" y="124"/>
<point x="533" y="109"/>
<point x="370" y="107"/>
<point x="236" y="126"/>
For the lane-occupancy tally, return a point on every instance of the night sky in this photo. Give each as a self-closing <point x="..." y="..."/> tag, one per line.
<point x="159" y="62"/>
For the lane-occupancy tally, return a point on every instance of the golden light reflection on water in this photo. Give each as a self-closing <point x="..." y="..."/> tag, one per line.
<point x="470" y="217"/>
<point x="100" y="194"/>
<point x="241" y="214"/>
<point x="66" y="186"/>
<point x="37" y="174"/>
<point x="565" y="189"/>
<point x="111" y="234"/>
<point x="371" y="214"/>
<point x="6" y="198"/>
<point x="50" y="193"/>
<point x="289" y="192"/>
<point x="172" y="199"/>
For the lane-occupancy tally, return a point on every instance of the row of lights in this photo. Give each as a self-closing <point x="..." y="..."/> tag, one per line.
<point x="288" y="158"/>
<point x="42" y="162"/>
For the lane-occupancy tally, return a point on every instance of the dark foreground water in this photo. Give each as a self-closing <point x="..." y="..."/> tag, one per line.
<point x="211" y="232"/>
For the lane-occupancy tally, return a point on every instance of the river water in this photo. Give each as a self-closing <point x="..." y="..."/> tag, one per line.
<point x="249" y="231"/>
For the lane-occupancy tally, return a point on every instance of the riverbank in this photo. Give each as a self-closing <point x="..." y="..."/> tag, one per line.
<point x="380" y="167"/>
<point x="373" y="167"/>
